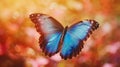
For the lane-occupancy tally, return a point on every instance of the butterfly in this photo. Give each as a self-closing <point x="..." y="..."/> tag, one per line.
<point x="56" y="38"/>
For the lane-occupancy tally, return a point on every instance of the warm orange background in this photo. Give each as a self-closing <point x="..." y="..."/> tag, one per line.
<point x="19" y="40"/>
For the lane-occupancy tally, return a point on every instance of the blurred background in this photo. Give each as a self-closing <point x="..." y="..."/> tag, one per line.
<point x="19" y="39"/>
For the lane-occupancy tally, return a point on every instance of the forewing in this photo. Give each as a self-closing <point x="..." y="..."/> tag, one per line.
<point x="50" y="31"/>
<point x="74" y="37"/>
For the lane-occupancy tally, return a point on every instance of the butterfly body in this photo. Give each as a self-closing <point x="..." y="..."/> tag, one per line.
<point x="55" y="38"/>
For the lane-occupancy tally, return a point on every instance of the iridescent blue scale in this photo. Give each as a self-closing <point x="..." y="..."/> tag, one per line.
<point x="55" y="38"/>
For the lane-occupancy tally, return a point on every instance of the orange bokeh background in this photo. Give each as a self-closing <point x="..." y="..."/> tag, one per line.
<point x="19" y="45"/>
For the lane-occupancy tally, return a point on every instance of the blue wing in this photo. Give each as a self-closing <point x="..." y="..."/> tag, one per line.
<point x="73" y="39"/>
<point x="50" y="31"/>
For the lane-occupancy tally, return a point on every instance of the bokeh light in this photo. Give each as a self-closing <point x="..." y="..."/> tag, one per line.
<point x="19" y="45"/>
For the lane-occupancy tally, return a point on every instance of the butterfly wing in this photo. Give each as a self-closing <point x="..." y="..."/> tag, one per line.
<point x="74" y="37"/>
<point x="50" y="31"/>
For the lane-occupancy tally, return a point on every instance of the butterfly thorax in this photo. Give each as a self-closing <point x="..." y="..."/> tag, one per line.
<point x="62" y="38"/>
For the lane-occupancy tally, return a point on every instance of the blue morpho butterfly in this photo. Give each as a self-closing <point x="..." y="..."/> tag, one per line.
<point x="55" y="38"/>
